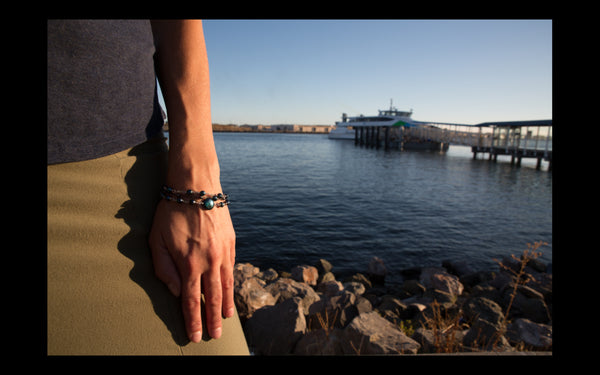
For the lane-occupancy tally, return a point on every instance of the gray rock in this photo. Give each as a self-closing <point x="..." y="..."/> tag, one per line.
<point x="426" y="339"/>
<point x="413" y="287"/>
<point x="369" y="333"/>
<point x="354" y="287"/>
<point x="243" y="271"/>
<point x="533" y="335"/>
<point x="363" y="305"/>
<point x="438" y="278"/>
<point x="483" y="308"/>
<point x="323" y="266"/>
<point x="336" y="311"/>
<point x="330" y="288"/>
<point x="251" y="296"/>
<point x="327" y="276"/>
<point x="275" y="330"/>
<point x="391" y="308"/>
<point x="305" y="274"/>
<point x="284" y="288"/>
<point x="377" y="270"/>
<point x="360" y="278"/>
<point x="486" y="336"/>
<point x="268" y="276"/>
<point x="527" y="303"/>
<point x="321" y="342"/>
<point x="458" y="267"/>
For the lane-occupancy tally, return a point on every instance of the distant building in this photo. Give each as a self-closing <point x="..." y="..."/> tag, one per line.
<point x="312" y="128"/>
<point x="293" y="128"/>
<point x="277" y="128"/>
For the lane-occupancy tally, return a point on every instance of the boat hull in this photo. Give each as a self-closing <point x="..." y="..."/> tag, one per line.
<point x="341" y="133"/>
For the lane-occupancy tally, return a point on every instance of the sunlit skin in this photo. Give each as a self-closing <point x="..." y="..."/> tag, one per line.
<point x="193" y="250"/>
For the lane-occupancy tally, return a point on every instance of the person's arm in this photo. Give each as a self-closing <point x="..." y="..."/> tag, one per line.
<point x="193" y="250"/>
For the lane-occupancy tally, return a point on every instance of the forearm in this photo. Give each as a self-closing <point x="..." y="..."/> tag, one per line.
<point x="182" y="70"/>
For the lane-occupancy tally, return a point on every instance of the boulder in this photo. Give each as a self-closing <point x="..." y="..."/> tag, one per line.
<point x="284" y="288"/>
<point x="532" y="335"/>
<point x="251" y="296"/>
<point x="486" y="336"/>
<point x="377" y="270"/>
<point x="527" y="303"/>
<point x="501" y="280"/>
<point x="426" y="339"/>
<point x="448" y="342"/>
<point x="391" y="308"/>
<point x="486" y="291"/>
<point x="354" y="287"/>
<point x="369" y="333"/>
<point x="413" y="287"/>
<point x="438" y="278"/>
<point x="323" y="266"/>
<point x="327" y="276"/>
<point x="243" y="271"/>
<point x="458" y="267"/>
<point x="537" y="265"/>
<point x="336" y="311"/>
<point x="363" y="305"/>
<point x="476" y="278"/>
<point x="321" y="342"/>
<point x="268" y="276"/>
<point x="275" y="330"/>
<point x="305" y="274"/>
<point x="330" y="288"/>
<point x="412" y="310"/>
<point x="482" y="308"/>
<point x="360" y="278"/>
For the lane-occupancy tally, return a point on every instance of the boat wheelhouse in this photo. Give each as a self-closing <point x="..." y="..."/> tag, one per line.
<point x="391" y="117"/>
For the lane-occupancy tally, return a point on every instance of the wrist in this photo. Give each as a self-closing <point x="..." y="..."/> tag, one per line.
<point x="185" y="176"/>
<point x="193" y="163"/>
<point x="195" y="198"/>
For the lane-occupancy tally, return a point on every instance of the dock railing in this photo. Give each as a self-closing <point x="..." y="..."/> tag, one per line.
<point x="469" y="136"/>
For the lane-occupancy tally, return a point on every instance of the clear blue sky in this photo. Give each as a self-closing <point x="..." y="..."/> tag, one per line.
<point x="311" y="71"/>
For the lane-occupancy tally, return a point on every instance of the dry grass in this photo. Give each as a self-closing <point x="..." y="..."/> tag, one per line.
<point x="446" y="327"/>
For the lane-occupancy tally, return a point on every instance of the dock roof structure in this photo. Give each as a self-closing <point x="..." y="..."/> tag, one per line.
<point x="514" y="124"/>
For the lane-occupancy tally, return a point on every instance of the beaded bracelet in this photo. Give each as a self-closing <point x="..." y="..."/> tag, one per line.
<point x="198" y="198"/>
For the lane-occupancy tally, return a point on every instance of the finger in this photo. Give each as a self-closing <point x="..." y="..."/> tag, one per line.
<point x="213" y="299"/>
<point x="165" y="268"/>
<point x="190" y="303"/>
<point x="227" y="285"/>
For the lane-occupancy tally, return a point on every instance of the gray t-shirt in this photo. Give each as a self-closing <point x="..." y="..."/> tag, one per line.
<point x="101" y="88"/>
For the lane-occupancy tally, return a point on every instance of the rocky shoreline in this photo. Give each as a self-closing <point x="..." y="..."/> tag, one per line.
<point x="446" y="309"/>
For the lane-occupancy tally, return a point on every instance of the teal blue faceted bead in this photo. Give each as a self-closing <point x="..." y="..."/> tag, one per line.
<point x="208" y="204"/>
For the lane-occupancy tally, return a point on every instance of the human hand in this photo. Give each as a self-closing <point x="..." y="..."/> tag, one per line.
<point x="193" y="251"/>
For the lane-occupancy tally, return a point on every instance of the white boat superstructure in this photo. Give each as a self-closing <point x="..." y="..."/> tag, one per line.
<point x="392" y="117"/>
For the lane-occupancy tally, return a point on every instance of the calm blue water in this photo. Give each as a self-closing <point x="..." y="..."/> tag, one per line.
<point x="297" y="198"/>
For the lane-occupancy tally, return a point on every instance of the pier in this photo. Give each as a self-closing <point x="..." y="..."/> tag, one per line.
<point x="519" y="139"/>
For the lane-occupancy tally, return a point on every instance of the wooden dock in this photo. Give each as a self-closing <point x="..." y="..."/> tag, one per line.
<point x="519" y="139"/>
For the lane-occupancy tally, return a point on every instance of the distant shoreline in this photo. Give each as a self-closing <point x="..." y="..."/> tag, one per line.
<point x="281" y="128"/>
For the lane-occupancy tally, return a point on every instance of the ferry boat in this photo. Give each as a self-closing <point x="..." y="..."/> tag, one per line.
<point x="392" y="117"/>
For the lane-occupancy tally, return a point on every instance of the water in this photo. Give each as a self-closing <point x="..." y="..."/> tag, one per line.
<point x="297" y="198"/>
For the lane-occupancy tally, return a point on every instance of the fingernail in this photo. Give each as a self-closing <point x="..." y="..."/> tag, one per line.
<point x="216" y="333"/>
<point x="196" y="336"/>
<point x="229" y="313"/>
